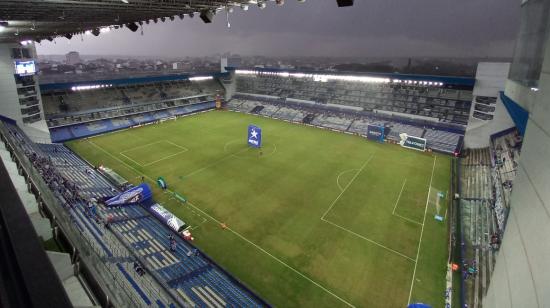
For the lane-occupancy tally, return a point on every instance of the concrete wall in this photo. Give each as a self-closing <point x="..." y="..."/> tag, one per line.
<point x="522" y="273"/>
<point x="490" y="80"/>
<point x="230" y="87"/>
<point x="9" y="99"/>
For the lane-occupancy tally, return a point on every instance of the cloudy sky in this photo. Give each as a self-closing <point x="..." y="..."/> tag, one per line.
<point x="371" y="28"/>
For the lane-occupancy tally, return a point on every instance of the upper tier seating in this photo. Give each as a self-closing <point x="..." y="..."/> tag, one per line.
<point x="63" y="107"/>
<point x="446" y="105"/>
<point x="99" y="126"/>
<point x="335" y="117"/>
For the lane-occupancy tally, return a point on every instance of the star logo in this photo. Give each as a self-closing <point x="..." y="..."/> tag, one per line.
<point x="254" y="134"/>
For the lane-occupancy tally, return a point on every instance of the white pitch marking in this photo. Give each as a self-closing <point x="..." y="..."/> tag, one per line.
<point x="239" y="235"/>
<point x="214" y="163"/>
<point x="339" y="175"/>
<point x="135" y="162"/>
<point x="274" y="257"/>
<point x="184" y="149"/>
<point x="399" y="196"/>
<point x="167" y="157"/>
<point x="348" y="185"/>
<point x="230" y="142"/>
<point x="397" y="202"/>
<point x="369" y="240"/>
<point x="142" y="146"/>
<point x="421" y="232"/>
<point x="408" y="219"/>
<point x="176" y="145"/>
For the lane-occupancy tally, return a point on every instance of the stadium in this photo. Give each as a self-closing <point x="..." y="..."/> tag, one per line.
<point x="260" y="186"/>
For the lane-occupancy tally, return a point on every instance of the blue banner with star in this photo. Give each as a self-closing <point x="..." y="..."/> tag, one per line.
<point x="254" y="136"/>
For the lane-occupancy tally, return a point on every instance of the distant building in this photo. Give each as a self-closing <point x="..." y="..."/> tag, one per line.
<point x="230" y="61"/>
<point x="72" y="58"/>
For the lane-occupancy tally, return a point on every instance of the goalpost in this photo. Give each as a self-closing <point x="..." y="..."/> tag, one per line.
<point x="439" y="199"/>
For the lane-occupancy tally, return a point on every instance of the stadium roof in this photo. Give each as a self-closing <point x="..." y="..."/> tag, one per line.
<point x="46" y="19"/>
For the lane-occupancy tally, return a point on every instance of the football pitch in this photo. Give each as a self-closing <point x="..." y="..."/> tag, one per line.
<point x="314" y="219"/>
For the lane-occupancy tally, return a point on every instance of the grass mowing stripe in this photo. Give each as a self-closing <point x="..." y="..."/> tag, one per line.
<point x="421" y="232"/>
<point x="348" y="185"/>
<point x="274" y="257"/>
<point x="238" y="234"/>
<point x="215" y="163"/>
<point x="369" y="240"/>
<point x="276" y="204"/>
<point x="395" y="206"/>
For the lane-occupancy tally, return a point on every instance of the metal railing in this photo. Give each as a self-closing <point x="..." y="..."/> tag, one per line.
<point x="117" y="289"/>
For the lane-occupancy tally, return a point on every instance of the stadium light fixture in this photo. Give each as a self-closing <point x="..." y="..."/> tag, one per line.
<point x="201" y="78"/>
<point x="132" y="26"/>
<point x="343" y="3"/>
<point x="207" y="16"/>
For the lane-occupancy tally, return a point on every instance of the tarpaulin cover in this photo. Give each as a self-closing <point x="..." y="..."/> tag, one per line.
<point x="135" y="195"/>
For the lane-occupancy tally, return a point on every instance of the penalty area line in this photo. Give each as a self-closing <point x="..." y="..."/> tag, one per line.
<point x="237" y="234"/>
<point x="421" y="232"/>
<point x="214" y="163"/>
<point x="347" y="186"/>
<point x="399" y="196"/>
<point x="274" y="257"/>
<point x="339" y="175"/>
<point x="397" y="202"/>
<point x="369" y="240"/>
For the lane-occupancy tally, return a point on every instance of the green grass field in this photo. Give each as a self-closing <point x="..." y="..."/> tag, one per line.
<point x="320" y="219"/>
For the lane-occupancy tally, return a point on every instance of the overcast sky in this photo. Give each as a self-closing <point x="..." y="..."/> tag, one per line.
<point x="371" y="28"/>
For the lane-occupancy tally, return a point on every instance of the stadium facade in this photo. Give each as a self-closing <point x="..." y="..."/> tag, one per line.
<point x="521" y="275"/>
<point x="504" y="106"/>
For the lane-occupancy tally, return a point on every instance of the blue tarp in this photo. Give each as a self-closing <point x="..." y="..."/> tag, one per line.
<point x="135" y="195"/>
<point x="418" y="305"/>
<point x="519" y="115"/>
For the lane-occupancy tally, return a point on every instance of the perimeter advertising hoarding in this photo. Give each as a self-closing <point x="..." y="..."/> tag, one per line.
<point x="411" y="142"/>
<point x="375" y="132"/>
